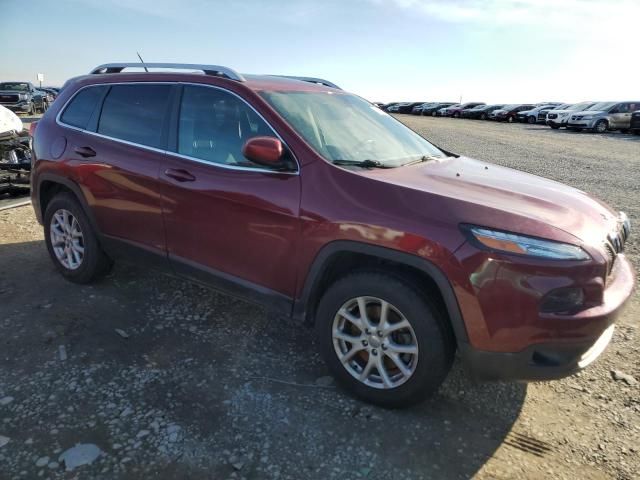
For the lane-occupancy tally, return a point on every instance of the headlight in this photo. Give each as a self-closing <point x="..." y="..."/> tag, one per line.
<point x="22" y="96"/>
<point x="588" y="117"/>
<point x="523" y="245"/>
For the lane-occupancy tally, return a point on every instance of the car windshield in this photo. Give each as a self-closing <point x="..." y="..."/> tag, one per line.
<point x="602" y="106"/>
<point x="342" y="126"/>
<point x="510" y="107"/>
<point x="17" y="87"/>
<point x="580" y="106"/>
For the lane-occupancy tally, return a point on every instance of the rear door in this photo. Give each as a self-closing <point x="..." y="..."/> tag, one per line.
<point x="116" y="155"/>
<point x="229" y="221"/>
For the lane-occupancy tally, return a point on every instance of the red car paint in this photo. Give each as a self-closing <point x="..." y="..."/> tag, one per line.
<point x="269" y="230"/>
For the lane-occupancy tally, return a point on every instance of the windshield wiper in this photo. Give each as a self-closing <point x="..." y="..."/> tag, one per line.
<point x="361" y="163"/>
<point x="423" y="158"/>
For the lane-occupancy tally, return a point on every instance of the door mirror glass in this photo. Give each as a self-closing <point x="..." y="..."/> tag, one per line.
<point x="267" y="151"/>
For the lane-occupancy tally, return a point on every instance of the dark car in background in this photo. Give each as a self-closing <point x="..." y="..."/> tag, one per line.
<point x="520" y="276"/>
<point x="405" y="107"/>
<point x="455" y="111"/>
<point x="508" y="112"/>
<point x="481" y="112"/>
<point x="417" y="110"/>
<point x="634" y="125"/>
<point x="432" y="110"/>
<point x="20" y="97"/>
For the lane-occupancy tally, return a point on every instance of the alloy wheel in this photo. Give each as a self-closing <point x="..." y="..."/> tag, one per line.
<point x="375" y="342"/>
<point x="67" y="240"/>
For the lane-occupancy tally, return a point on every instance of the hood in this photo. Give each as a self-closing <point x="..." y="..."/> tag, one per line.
<point x="590" y="112"/>
<point x="489" y="195"/>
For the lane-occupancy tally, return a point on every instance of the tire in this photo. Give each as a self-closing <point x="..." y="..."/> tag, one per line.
<point x="94" y="263"/>
<point x="434" y="114"/>
<point x="624" y="130"/>
<point x="510" y="119"/>
<point x="428" y="331"/>
<point x="456" y="115"/>
<point x="483" y="116"/>
<point x="555" y="127"/>
<point x="32" y="109"/>
<point x="601" y="126"/>
<point x="531" y="120"/>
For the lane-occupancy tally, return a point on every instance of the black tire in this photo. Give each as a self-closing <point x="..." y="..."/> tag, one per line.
<point x="433" y="336"/>
<point x="456" y="115"/>
<point x="434" y="114"/>
<point x="510" y="119"/>
<point x="624" y="130"/>
<point x="531" y="120"/>
<point x="555" y="127"/>
<point x="95" y="262"/>
<point x="601" y="126"/>
<point x="32" y="109"/>
<point x="483" y="116"/>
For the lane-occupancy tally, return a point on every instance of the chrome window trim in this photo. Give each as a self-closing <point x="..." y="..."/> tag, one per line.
<point x="169" y="152"/>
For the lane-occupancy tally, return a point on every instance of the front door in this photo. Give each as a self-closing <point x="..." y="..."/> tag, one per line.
<point x="229" y="221"/>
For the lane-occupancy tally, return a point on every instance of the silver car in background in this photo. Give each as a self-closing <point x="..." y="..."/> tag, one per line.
<point x="604" y="116"/>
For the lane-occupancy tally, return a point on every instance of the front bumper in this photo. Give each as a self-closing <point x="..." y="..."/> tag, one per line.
<point x="17" y="107"/>
<point x="572" y="343"/>
<point x="581" y="123"/>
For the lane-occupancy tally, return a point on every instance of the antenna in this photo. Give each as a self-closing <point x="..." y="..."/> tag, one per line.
<point x="142" y="61"/>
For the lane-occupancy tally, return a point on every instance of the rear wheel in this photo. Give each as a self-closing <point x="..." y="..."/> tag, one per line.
<point x="531" y="120"/>
<point x="382" y="339"/>
<point x="71" y="241"/>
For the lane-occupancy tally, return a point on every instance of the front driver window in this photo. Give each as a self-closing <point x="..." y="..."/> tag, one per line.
<point x="214" y="125"/>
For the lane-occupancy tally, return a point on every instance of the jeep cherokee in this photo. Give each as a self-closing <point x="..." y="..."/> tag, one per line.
<point x="318" y="205"/>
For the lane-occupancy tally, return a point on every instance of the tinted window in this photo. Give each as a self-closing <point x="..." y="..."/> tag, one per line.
<point x="79" y="111"/>
<point x="214" y="126"/>
<point x="135" y="113"/>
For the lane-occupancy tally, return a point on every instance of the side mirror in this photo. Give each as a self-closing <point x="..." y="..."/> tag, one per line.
<point x="267" y="151"/>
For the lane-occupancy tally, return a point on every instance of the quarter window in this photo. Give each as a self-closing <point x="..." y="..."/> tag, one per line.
<point x="214" y="125"/>
<point x="135" y="113"/>
<point x="81" y="108"/>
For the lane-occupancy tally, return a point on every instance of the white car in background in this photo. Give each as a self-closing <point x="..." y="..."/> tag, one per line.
<point x="560" y="118"/>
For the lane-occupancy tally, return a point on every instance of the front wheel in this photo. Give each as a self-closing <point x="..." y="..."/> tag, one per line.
<point x="600" y="126"/>
<point x="531" y="120"/>
<point x="383" y="340"/>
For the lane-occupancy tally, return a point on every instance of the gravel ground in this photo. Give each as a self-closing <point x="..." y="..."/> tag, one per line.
<point x="145" y="376"/>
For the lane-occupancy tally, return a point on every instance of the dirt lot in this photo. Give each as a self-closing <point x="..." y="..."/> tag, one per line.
<point x="199" y="385"/>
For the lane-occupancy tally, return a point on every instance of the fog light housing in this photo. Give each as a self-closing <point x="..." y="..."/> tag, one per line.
<point x="563" y="300"/>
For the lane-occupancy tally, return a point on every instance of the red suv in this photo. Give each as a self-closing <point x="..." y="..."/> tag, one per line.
<point x="312" y="201"/>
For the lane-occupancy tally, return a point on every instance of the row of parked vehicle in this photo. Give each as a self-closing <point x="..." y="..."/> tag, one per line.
<point x="24" y="97"/>
<point x="598" y="117"/>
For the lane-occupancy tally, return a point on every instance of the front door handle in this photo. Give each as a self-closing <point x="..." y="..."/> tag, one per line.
<point x="179" y="174"/>
<point x="85" y="151"/>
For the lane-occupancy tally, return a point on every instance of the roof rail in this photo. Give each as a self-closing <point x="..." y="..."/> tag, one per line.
<point x="215" y="70"/>
<point x="319" y="81"/>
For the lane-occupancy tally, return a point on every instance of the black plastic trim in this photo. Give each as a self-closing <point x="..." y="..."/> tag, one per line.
<point x="322" y="260"/>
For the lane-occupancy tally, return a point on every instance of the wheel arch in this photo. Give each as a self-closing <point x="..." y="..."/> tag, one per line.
<point x="49" y="185"/>
<point x="340" y="257"/>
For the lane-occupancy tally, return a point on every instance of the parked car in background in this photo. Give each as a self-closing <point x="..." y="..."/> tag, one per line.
<point x="432" y="110"/>
<point x="387" y="106"/>
<point x="508" y="112"/>
<point x="535" y="115"/>
<point x="559" y="117"/>
<point x="604" y="116"/>
<point x="404" y="107"/>
<point x="481" y="112"/>
<point x="519" y="276"/>
<point x="635" y="123"/>
<point x="454" y="111"/>
<point x="20" y="97"/>
<point x="417" y="110"/>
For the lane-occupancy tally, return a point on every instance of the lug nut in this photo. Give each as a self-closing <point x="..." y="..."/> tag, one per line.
<point x="380" y="333"/>
<point x="367" y="331"/>
<point x="365" y="343"/>
<point x="374" y="351"/>
<point x="384" y="347"/>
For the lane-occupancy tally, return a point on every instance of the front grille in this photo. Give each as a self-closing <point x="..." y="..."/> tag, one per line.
<point x="614" y="244"/>
<point x="9" y="98"/>
<point x="552" y="115"/>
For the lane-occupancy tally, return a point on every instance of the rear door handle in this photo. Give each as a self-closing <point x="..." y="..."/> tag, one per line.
<point x="179" y="174"/>
<point x="85" y="151"/>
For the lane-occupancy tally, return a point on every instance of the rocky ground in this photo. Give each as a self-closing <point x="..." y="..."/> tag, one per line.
<point x="146" y="376"/>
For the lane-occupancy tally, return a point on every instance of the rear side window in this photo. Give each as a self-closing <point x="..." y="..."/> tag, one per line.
<point x="135" y="113"/>
<point x="81" y="108"/>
